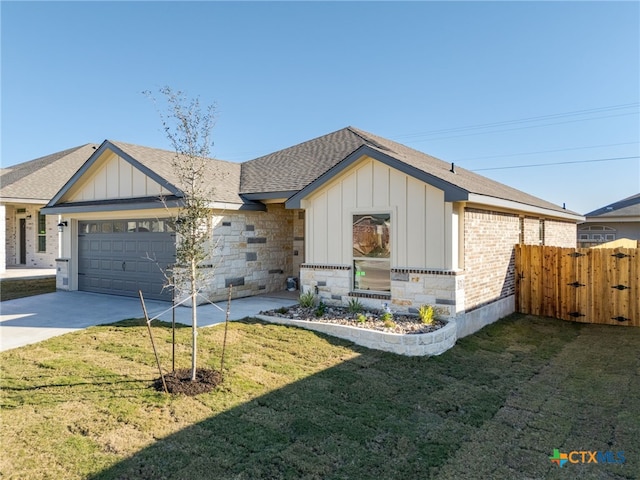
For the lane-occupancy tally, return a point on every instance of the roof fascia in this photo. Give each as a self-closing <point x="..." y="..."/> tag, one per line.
<point x="452" y="193"/>
<point x="253" y="207"/>
<point x="107" y="145"/>
<point x="612" y="219"/>
<point x="29" y="201"/>
<point x="143" y="204"/>
<point x="268" y="195"/>
<point x="522" y="207"/>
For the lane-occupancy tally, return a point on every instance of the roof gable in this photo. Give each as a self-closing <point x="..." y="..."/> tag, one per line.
<point x="309" y="165"/>
<point x="141" y="172"/>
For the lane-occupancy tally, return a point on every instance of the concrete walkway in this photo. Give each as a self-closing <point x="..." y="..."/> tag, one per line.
<point x="25" y="273"/>
<point x="32" y="319"/>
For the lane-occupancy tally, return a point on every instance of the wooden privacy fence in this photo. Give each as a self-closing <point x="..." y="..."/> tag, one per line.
<point x="590" y="285"/>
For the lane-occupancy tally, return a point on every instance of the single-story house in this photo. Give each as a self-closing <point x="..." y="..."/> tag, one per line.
<point x="612" y="222"/>
<point x="350" y="214"/>
<point x="28" y="237"/>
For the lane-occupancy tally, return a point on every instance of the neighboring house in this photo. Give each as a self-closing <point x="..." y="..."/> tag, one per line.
<point x="351" y="214"/>
<point x="613" y="222"/>
<point x="26" y="236"/>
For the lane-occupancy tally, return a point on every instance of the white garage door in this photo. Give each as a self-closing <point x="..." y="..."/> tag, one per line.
<point x="120" y="257"/>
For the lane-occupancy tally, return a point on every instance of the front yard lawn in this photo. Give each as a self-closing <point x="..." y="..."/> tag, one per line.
<point x="298" y="404"/>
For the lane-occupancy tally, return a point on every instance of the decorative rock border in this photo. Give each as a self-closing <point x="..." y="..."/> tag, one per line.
<point x="417" y="344"/>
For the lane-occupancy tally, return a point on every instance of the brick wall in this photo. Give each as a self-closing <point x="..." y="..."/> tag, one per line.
<point x="531" y="231"/>
<point x="34" y="258"/>
<point x="560" y="234"/>
<point x="489" y="260"/>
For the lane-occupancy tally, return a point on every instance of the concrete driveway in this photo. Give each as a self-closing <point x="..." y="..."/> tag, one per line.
<point x="32" y="319"/>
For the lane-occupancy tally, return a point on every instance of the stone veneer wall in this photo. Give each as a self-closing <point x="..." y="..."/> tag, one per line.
<point x="410" y="288"/>
<point x="253" y="251"/>
<point x="489" y="255"/>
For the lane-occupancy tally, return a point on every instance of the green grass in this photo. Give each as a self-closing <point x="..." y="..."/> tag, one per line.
<point x="11" y="289"/>
<point x="297" y="404"/>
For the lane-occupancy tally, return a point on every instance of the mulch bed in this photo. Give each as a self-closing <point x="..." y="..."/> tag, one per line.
<point x="180" y="381"/>
<point x="404" y="324"/>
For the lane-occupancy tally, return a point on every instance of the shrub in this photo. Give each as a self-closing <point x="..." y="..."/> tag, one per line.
<point x="307" y="300"/>
<point x="426" y="314"/>
<point x="388" y="321"/>
<point x="362" y="318"/>
<point x="355" y="306"/>
<point x="386" y="316"/>
<point x="320" y="309"/>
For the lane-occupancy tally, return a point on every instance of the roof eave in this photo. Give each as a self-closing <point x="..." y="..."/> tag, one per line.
<point x="31" y="201"/>
<point x="523" y="207"/>
<point x="613" y="219"/>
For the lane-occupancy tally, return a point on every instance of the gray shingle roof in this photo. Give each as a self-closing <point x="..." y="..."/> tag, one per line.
<point x="627" y="207"/>
<point x="288" y="170"/>
<point x="40" y="179"/>
<point x="223" y="176"/>
<point x="295" y="167"/>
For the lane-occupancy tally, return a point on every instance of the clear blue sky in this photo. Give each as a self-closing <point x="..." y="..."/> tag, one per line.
<point x="538" y="82"/>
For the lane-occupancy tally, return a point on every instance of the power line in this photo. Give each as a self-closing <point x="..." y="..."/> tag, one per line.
<point x="522" y="128"/>
<point x="554" y="163"/>
<point x="543" y="151"/>
<point x="521" y="120"/>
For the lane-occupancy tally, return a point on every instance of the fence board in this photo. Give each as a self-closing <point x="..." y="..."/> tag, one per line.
<point x="579" y="284"/>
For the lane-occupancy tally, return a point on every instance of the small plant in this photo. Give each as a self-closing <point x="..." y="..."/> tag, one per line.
<point x="362" y="318"/>
<point x="282" y="310"/>
<point x="320" y="309"/>
<point x="307" y="299"/>
<point x="426" y="314"/>
<point x="387" y="320"/>
<point x="354" y="306"/>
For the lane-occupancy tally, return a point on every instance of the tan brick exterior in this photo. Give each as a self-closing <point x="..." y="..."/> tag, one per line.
<point x="34" y="258"/>
<point x="560" y="234"/>
<point x="489" y="262"/>
<point x="489" y="253"/>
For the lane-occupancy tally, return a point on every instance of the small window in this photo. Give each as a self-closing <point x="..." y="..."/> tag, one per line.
<point x="42" y="232"/>
<point x="119" y="227"/>
<point x="372" y="252"/>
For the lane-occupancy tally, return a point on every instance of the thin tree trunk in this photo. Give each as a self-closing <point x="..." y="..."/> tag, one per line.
<point x="194" y="322"/>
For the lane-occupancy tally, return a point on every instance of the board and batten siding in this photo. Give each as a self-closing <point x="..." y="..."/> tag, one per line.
<point x="420" y="218"/>
<point x="116" y="178"/>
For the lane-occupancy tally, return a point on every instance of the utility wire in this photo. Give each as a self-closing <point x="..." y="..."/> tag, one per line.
<point x="521" y="128"/>
<point x="521" y="120"/>
<point x="542" y="151"/>
<point x="555" y="163"/>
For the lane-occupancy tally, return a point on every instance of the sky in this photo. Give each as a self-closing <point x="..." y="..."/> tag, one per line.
<point x="494" y="87"/>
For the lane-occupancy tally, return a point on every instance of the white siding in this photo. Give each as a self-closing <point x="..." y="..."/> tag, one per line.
<point x="113" y="177"/>
<point x="420" y="234"/>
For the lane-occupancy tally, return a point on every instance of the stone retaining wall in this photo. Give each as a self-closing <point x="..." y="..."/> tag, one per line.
<point x="422" y="344"/>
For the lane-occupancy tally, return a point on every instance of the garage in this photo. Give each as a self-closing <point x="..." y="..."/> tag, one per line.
<point x="120" y="257"/>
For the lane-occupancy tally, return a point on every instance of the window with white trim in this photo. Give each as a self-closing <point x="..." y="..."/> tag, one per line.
<point x="42" y="233"/>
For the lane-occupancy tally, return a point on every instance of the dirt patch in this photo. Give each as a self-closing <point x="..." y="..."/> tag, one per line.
<point x="180" y="382"/>
<point x="373" y="320"/>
